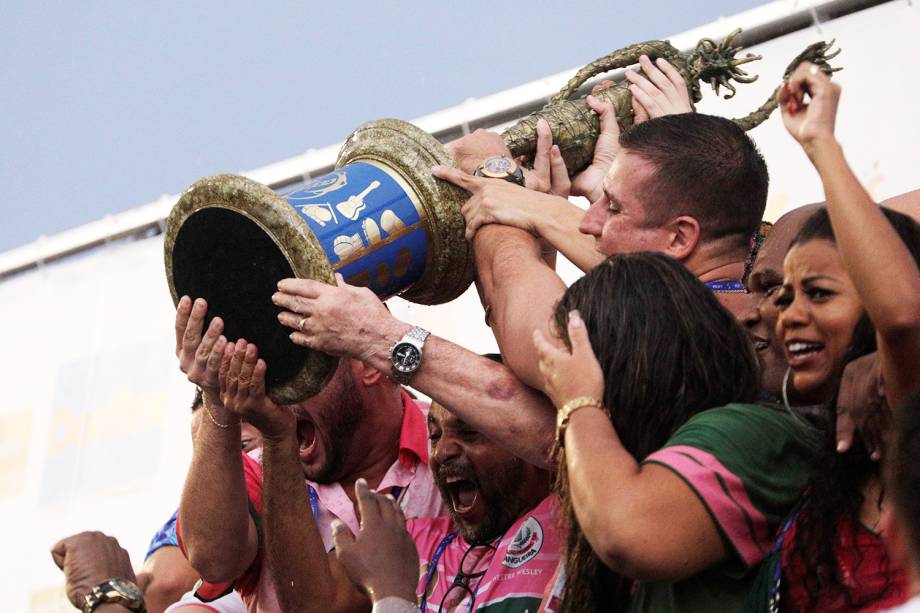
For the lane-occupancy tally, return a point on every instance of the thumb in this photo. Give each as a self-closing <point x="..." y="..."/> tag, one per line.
<point x="58" y="553"/>
<point x="342" y="537"/>
<point x="578" y="333"/>
<point x="340" y="280"/>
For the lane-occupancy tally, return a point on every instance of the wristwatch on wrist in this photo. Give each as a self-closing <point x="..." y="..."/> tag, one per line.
<point x="406" y="355"/>
<point x="115" y="590"/>
<point x="500" y="167"/>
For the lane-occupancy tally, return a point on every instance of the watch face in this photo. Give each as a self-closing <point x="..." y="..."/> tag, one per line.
<point x="406" y="357"/>
<point x="127" y="588"/>
<point x="500" y="166"/>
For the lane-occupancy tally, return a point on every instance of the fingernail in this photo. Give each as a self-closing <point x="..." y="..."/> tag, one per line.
<point x="435" y="169"/>
<point x="555" y="149"/>
<point x="591" y="98"/>
<point x="542" y="122"/>
<point x="841" y="447"/>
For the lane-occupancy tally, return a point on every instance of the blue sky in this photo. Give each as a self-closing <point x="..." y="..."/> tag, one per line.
<point x="108" y="105"/>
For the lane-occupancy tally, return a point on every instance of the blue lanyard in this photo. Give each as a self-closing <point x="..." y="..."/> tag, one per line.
<point x="433" y="567"/>
<point x="314" y="498"/>
<point x="735" y="286"/>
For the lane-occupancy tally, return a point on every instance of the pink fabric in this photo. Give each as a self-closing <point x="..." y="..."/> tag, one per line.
<point x="724" y="494"/>
<point x="524" y="562"/>
<point x="419" y="497"/>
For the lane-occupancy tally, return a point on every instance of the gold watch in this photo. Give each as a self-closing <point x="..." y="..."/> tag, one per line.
<point x="501" y="167"/>
<point x="116" y="590"/>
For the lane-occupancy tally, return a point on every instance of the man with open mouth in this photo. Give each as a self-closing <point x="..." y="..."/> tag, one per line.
<point x="361" y="425"/>
<point x="498" y="550"/>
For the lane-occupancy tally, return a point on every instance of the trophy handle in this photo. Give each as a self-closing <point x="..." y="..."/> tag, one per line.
<point x="620" y="58"/>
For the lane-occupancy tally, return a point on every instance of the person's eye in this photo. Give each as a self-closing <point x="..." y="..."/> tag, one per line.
<point x="819" y="294"/>
<point x="772" y="290"/>
<point x="246" y="442"/>
<point x="434" y="437"/>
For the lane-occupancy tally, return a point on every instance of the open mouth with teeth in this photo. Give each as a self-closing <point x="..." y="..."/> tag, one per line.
<point x="799" y="353"/>
<point x="463" y="494"/>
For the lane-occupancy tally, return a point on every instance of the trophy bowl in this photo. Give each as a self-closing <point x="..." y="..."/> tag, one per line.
<point x="380" y="219"/>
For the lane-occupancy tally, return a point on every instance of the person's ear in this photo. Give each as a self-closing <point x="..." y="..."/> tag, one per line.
<point x="366" y="375"/>
<point x="683" y="235"/>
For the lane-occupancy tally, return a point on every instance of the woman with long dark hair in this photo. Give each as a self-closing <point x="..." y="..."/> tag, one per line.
<point x="671" y="481"/>
<point x="851" y="286"/>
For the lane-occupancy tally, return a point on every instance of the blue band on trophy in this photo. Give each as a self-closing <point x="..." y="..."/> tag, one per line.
<point x="367" y="224"/>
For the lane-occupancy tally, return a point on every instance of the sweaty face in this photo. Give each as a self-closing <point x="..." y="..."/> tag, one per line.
<point x="484" y="487"/>
<point x="617" y="220"/>
<point x="325" y="424"/>
<point x="818" y="312"/>
<point x="765" y="281"/>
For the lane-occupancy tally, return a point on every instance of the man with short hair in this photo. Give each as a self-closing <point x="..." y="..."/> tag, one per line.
<point x="643" y="204"/>
<point x="362" y="425"/>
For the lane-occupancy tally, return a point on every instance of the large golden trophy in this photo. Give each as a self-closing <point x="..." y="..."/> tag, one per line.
<point x="380" y="218"/>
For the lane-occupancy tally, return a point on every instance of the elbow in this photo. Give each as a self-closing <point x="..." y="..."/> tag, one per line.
<point x="635" y="557"/>
<point x="903" y="322"/>
<point x="223" y="567"/>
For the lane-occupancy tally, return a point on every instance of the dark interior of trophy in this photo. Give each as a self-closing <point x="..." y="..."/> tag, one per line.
<point x="226" y="258"/>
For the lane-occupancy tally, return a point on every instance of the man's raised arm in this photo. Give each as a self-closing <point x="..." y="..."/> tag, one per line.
<point x="218" y="536"/>
<point x="351" y="321"/>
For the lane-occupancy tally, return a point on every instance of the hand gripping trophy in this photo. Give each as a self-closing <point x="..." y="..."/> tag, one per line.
<point x="380" y="218"/>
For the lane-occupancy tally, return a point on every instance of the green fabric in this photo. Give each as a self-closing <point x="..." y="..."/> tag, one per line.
<point x="772" y="453"/>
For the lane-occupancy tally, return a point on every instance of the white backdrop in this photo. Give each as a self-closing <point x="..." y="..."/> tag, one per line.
<point x="94" y="418"/>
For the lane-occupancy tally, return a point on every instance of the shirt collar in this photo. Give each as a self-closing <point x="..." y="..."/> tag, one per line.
<point x="413" y="435"/>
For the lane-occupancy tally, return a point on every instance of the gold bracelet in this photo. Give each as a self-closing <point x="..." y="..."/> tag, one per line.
<point x="569" y="408"/>
<point x="207" y="411"/>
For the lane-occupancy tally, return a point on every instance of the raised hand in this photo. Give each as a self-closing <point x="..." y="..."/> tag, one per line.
<point x="242" y="392"/>
<point x="549" y="174"/>
<point x="569" y="374"/>
<point x="662" y="91"/>
<point x="471" y="150"/>
<point x="809" y="121"/>
<point x="88" y="559"/>
<point x="590" y="182"/>
<point x="199" y="356"/>
<point x="337" y="319"/>
<point x="382" y="558"/>
<point x="495" y="201"/>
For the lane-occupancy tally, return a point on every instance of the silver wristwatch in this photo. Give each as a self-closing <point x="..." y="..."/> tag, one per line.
<point x="406" y="355"/>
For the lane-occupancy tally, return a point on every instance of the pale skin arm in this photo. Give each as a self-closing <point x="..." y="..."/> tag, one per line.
<point x="350" y="321"/>
<point x="646" y="523"/>
<point x="306" y="577"/>
<point x="220" y="538"/>
<point x="878" y="262"/>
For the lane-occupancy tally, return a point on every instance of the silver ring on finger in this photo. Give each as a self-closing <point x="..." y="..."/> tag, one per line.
<point x="300" y="323"/>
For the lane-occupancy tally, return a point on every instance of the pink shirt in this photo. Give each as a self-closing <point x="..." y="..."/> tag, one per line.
<point x="516" y="571"/>
<point x="409" y="475"/>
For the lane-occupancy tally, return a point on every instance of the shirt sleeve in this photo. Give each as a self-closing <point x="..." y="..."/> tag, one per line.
<point x="748" y="464"/>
